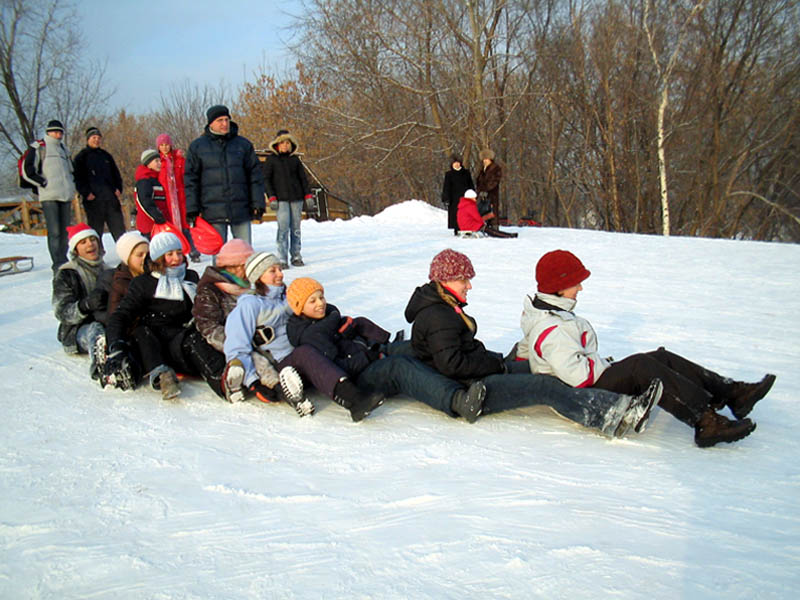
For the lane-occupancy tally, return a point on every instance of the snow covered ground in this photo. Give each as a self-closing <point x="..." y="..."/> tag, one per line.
<point x="105" y="494"/>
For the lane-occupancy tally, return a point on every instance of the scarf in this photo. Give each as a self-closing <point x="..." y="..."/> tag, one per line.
<point x="88" y="270"/>
<point x="171" y="284"/>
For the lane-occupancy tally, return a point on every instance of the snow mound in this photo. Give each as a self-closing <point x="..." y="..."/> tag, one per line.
<point x="415" y="212"/>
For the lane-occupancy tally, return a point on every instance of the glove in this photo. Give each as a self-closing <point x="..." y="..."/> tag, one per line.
<point x="346" y="328"/>
<point x="257" y="213"/>
<point x="264" y="334"/>
<point x="117" y="353"/>
<point x="191" y="218"/>
<point x="96" y="300"/>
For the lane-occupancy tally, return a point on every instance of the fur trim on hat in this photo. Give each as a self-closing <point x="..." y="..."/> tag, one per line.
<point x="281" y="136"/>
<point x="78" y="232"/>
<point x="300" y="290"/>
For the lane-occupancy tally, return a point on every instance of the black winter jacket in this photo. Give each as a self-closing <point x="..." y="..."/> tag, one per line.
<point x="223" y="179"/>
<point x="441" y="338"/>
<point x="455" y="184"/>
<point x="350" y="352"/>
<point x="165" y="318"/>
<point x="68" y="291"/>
<point x="285" y="178"/>
<point x="96" y="173"/>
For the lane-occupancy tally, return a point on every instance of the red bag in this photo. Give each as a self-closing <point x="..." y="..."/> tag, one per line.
<point x="161" y="227"/>
<point x="206" y="239"/>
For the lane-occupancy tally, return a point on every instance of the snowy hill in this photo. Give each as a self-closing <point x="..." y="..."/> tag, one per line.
<point x="105" y="494"/>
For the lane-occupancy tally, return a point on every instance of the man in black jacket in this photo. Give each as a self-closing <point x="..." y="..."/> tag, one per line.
<point x="223" y="180"/>
<point x="100" y="185"/>
<point x="286" y="183"/>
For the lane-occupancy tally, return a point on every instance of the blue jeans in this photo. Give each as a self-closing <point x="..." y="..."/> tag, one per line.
<point x="57" y="216"/>
<point x="289" y="216"/>
<point x="238" y="230"/>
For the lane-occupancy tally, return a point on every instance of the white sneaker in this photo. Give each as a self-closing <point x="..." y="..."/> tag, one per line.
<point x="291" y="391"/>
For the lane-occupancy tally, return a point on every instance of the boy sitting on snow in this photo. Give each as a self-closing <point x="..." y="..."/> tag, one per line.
<point x="80" y="297"/>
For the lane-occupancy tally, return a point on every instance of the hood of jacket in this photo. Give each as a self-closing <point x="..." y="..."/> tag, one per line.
<point x="144" y="172"/>
<point x="425" y="296"/>
<point x="273" y="145"/>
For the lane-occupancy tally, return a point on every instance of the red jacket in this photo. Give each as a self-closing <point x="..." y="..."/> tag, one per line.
<point x="151" y="203"/>
<point x="469" y="219"/>
<point x="174" y="163"/>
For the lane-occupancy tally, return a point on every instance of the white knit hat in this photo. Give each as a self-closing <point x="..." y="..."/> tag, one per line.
<point x="127" y="242"/>
<point x="470" y="194"/>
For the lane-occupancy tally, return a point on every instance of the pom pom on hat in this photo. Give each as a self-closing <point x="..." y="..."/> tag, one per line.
<point x="257" y="264"/>
<point x="78" y="232"/>
<point x="163" y="138"/>
<point x="149" y="155"/>
<point x="127" y="242"/>
<point x="559" y="270"/>
<point x="234" y="252"/>
<point x="299" y="291"/>
<point x="162" y="243"/>
<point x="450" y="265"/>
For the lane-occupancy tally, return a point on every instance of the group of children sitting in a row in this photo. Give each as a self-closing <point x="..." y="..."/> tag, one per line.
<point x="245" y="333"/>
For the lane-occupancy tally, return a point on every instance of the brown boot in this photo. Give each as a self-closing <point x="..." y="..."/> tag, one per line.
<point x="743" y="396"/>
<point x="713" y="428"/>
<point x="168" y="384"/>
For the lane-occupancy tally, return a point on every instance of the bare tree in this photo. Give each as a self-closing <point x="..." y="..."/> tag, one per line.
<point x="182" y="113"/>
<point x="44" y="72"/>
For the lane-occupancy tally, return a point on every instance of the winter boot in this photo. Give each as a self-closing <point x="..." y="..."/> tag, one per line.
<point x="356" y="400"/>
<point x="469" y="403"/>
<point x="98" y="363"/>
<point x="233" y="380"/>
<point x="713" y="428"/>
<point x="743" y="396"/>
<point x="168" y="384"/>
<point x="297" y="261"/>
<point x="291" y="392"/>
<point x="639" y="409"/>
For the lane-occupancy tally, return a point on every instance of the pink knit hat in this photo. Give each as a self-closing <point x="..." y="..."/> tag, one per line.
<point x="234" y="252"/>
<point x="450" y="265"/>
<point x="163" y="138"/>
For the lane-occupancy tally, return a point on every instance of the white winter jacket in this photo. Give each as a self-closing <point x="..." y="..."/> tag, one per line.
<point x="57" y="170"/>
<point x="557" y="342"/>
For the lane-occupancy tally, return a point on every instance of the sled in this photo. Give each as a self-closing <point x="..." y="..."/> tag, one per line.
<point x="471" y="234"/>
<point x="206" y="239"/>
<point x="15" y="264"/>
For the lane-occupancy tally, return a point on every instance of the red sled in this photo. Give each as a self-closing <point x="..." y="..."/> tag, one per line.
<point x="206" y="239"/>
<point x="162" y="227"/>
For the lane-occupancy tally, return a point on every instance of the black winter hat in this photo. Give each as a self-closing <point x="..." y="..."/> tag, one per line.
<point x="93" y="131"/>
<point x="215" y="112"/>
<point x="55" y="125"/>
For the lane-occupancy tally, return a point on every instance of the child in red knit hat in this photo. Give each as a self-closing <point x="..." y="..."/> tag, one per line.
<point x="560" y="343"/>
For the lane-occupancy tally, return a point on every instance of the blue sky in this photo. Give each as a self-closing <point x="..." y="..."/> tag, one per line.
<point x="151" y="45"/>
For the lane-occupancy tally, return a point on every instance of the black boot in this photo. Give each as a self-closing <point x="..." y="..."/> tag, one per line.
<point x="469" y="403"/>
<point x="357" y="401"/>
<point x="743" y="396"/>
<point x="713" y="428"/>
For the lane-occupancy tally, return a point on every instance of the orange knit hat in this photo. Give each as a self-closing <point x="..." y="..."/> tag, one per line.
<point x="299" y="291"/>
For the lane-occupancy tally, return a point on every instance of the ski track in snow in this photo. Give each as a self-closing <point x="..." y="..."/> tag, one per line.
<point x="108" y="494"/>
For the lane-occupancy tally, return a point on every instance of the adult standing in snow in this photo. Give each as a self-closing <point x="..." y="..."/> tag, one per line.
<point x="100" y="185"/>
<point x="286" y="184"/>
<point x="558" y="342"/>
<point x="173" y="167"/>
<point x="488" y="183"/>
<point x="456" y="182"/>
<point x="80" y="296"/>
<point x="156" y="315"/>
<point x="49" y="167"/>
<point x="443" y="337"/>
<point x="223" y="180"/>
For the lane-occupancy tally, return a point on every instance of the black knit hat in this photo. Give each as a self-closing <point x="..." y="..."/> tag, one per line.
<point x="215" y="112"/>
<point x="93" y="131"/>
<point x="54" y="125"/>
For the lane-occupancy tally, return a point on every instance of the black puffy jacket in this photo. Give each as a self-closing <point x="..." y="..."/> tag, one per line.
<point x="441" y="338"/>
<point x="96" y="173"/>
<point x="223" y="178"/>
<point x="285" y="178"/>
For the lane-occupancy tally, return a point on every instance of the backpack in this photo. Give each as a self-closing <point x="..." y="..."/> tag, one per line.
<point x="22" y="179"/>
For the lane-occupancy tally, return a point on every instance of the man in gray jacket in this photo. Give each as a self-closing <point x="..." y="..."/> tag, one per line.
<point x="49" y="167"/>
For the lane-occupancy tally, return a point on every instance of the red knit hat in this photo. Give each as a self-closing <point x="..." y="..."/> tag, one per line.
<point x="559" y="270"/>
<point x="450" y="265"/>
<point x="78" y="232"/>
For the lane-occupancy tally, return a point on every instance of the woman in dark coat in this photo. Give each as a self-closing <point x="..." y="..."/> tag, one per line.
<point x="158" y="310"/>
<point x="488" y="184"/>
<point x="456" y="181"/>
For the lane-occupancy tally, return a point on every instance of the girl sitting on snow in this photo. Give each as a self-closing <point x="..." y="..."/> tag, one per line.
<point x="558" y="342"/>
<point x="470" y="218"/>
<point x="80" y="296"/>
<point x="260" y="321"/>
<point x="132" y="249"/>
<point x="156" y="315"/>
